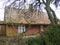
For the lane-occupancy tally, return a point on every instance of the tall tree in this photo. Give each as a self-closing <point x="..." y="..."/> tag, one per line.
<point x="50" y="12"/>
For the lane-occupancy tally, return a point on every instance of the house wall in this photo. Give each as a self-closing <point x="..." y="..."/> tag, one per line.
<point x="35" y="29"/>
<point x="11" y="30"/>
<point x="2" y="30"/>
<point x="29" y="30"/>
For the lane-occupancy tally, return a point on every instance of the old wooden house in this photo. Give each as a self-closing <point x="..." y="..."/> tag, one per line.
<point x="24" y="21"/>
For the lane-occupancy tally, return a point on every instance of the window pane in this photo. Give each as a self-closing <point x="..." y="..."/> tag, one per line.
<point x="21" y="28"/>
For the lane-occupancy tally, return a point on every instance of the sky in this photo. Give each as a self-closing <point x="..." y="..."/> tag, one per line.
<point x="3" y="2"/>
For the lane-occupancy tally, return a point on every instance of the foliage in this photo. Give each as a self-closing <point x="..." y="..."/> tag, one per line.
<point x="49" y="37"/>
<point x="15" y="40"/>
<point x="34" y="41"/>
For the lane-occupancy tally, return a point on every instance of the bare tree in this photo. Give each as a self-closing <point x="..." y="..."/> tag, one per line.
<point x="50" y="12"/>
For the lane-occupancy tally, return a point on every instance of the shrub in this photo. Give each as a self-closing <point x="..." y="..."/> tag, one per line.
<point x="34" y="41"/>
<point x="49" y="37"/>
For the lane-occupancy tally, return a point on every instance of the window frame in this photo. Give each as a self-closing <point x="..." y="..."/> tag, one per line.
<point x="21" y="28"/>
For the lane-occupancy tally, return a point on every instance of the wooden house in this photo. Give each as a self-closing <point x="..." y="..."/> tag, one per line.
<point x="24" y="21"/>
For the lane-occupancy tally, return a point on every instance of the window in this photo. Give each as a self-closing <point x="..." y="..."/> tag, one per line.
<point x="21" y="28"/>
<point x="42" y="28"/>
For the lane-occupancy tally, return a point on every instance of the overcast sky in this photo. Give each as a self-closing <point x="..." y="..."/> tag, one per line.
<point x="3" y="2"/>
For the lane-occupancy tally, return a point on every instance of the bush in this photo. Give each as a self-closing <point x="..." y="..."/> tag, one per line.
<point x="50" y="37"/>
<point x="34" y="41"/>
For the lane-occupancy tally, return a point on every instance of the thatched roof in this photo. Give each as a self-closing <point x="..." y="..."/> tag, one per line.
<point x="13" y="15"/>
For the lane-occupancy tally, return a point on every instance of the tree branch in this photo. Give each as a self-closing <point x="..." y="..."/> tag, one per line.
<point x="55" y="18"/>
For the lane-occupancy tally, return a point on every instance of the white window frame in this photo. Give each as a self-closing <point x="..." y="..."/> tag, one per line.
<point x="21" y="28"/>
<point x="42" y="28"/>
